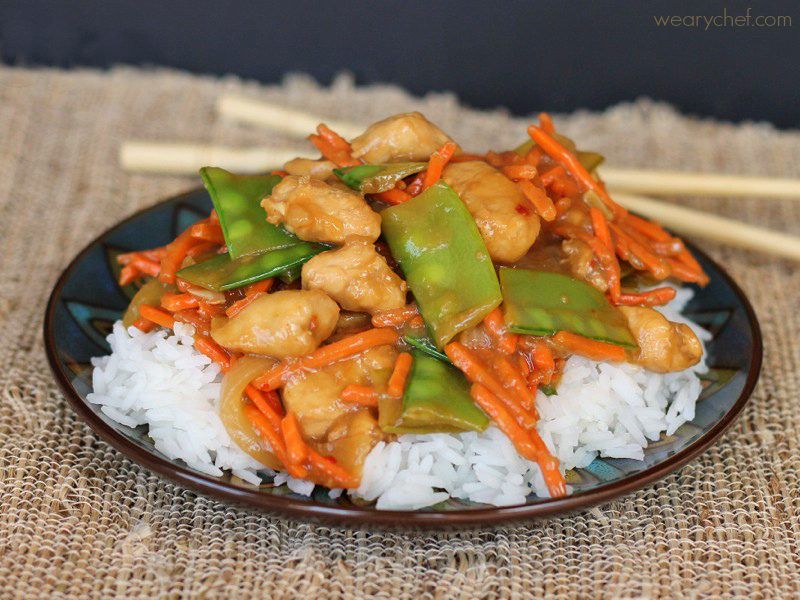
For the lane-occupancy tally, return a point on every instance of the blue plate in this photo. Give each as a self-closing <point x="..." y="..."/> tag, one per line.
<point x="87" y="300"/>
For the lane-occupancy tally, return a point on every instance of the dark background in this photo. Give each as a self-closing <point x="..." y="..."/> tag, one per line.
<point x="526" y="56"/>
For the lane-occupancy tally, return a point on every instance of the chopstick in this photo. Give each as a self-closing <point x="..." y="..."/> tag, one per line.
<point x="676" y="183"/>
<point x="185" y="159"/>
<point x="691" y="222"/>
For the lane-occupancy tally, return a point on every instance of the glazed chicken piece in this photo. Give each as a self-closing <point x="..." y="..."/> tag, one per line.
<point x="308" y="167"/>
<point x="580" y="260"/>
<point x="281" y="324"/>
<point x="504" y="216"/>
<point x="350" y="438"/>
<point x="357" y="277"/>
<point x="314" y="397"/>
<point x="318" y="212"/>
<point x="664" y="346"/>
<point x="403" y="137"/>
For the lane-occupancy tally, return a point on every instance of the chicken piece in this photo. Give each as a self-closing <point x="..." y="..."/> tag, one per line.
<point x="350" y="439"/>
<point x="316" y="169"/>
<point x="318" y="212"/>
<point x="314" y="397"/>
<point x="504" y="215"/>
<point x="580" y="260"/>
<point x="357" y="277"/>
<point x="403" y="137"/>
<point x="664" y="346"/>
<point x="286" y="323"/>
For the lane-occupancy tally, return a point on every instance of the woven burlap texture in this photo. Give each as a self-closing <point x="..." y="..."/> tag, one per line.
<point x="78" y="519"/>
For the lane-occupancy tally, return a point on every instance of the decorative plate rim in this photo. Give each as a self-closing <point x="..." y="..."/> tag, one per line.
<point x="341" y="515"/>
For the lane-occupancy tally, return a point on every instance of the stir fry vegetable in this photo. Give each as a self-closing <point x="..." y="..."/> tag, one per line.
<point x="543" y="303"/>
<point x="436" y="399"/>
<point x="237" y="201"/>
<point x="224" y="273"/>
<point x="444" y="259"/>
<point x="374" y="179"/>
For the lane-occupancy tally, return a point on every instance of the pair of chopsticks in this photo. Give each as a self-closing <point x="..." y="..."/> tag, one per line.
<point x="625" y="184"/>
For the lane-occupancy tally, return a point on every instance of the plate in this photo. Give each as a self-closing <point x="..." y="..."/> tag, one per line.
<point x="86" y="301"/>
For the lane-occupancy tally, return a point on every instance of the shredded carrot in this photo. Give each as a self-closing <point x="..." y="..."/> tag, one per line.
<point x="657" y="266"/>
<point x="176" y="302"/>
<point x="325" y="355"/>
<point x="333" y="147"/>
<point x="583" y="346"/>
<point x="496" y="325"/>
<point x="650" y="229"/>
<point x="467" y="158"/>
<point x="128" y="274"/>
<point x="251" y="292"/>
<point x="397" y="382"/>
<point x="202" y="248"/>
<point x="656" y="297"/>
<point x="528" y="443"/>
<point x="208" y="233"/>
<point x="515" y="377"/>
<point x="475" y="372"/>
<point x="209" y="310"/>
<point x="552" y="175"/>
<point x="605" y="251"/>
<point x="326" y="468"/>
<point x="600" y="227"/>
<point x="546" y="123"/>
<point x="213" y="351"/>
<point x="571" y="163"/>
<point x="281" y="173"/>
<point x="437" y="163"/>
<point x="176" y="252"/>
<point x="360" y="394"/>
<point x="268" y="432"/>
<point x="296" y="447"/>
<point x="156" y="315"/>
<point x="146" y="267"/>
<point x="394" y="317"/>
<point x="393" y="196"/>
<point x="154" y="255"/>
<point x="260" y="401"/>
<point x="681" y="271"/>
<point x="543" y="361"/>
<point x="538" y="197"/>
<point x="521" y="171"/>
<point x="143" y="324"/>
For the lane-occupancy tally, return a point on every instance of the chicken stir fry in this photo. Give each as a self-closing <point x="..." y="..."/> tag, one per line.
<point x="357" y="277"/>
<point x="319" y="212"/>
<point x="396" y="285"/>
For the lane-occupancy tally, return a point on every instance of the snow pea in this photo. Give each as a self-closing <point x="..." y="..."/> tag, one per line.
<point x="543" y="303"/>
<point x="222" y="273"/>
<point x="436" y="399"/>
<point x="237" y="200"/>
<point x="444" y="260"/>
<point x="374" y="179"/>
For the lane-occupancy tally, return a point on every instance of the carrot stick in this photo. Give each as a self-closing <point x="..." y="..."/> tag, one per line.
<point x="546" y="123"/>
<point x="128" y="274"/>
<point x="176" y="302"/>
<point x="154" y="255"/>
<point x="208" y="233"/>
<point x="521" y="171"/>
<point x="543" y="361"/>
<point x="251" y="292"/>
<point x="327" y="468"/>
<point x="397" y="381"/>
<point x="147" y="267"/>
<point x="144" y="325"/>
<point x="538" y="197"/>
<point x="213" y="351"/>
<point x="176" y="252"/>
<point x="511" y="374"/>
<point x="656" y="297"/>
<point x="552" y="174"/>
<point x="437" y="163"/>
<point x="600" y="227"/>
<point x="527" y="443"/>
<point x="157" y="316"/>
<point x="260" y="401"/>
<point x="393" y="196"/>
<point x="195" y="319"/>
<point x="333" y="147"/>
<point x="496" y="325"/>
<point x="296" y="447"/>
<point x="583" y="346"/>
<point x="571" y="163"/>
<point x="471" y="366"/>
<point x="394" y="317"/>
<point x="359" y="394"/>
<point x="325" y="355"/>
<point x="265" y="428"/>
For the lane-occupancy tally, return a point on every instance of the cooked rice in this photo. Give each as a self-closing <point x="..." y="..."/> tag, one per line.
<point x="601" y="409"/>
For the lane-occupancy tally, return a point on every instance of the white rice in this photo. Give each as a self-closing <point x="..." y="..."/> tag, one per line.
<point x="601" y="409"/>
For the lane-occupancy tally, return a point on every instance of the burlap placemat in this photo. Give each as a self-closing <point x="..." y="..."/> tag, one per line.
<point x="77" y="519"/>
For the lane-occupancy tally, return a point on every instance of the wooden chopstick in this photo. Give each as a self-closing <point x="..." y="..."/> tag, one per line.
<point x="677" y="183"/>
<point x="653" y="182"/>
<point x="186" y="159"/>
<point x="690" y="222"/>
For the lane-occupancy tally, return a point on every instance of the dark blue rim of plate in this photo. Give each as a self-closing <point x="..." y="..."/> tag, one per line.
<point x="355" y="515"/>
